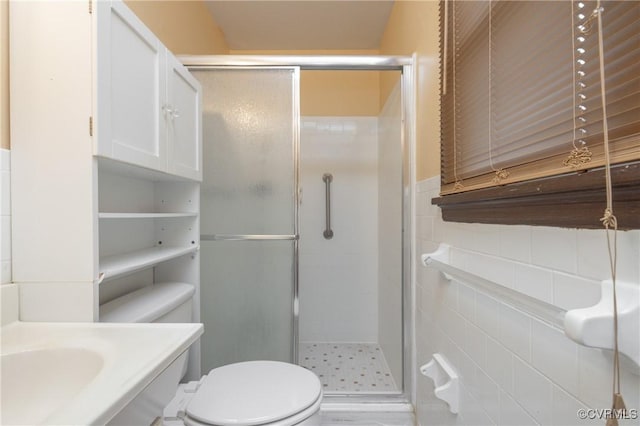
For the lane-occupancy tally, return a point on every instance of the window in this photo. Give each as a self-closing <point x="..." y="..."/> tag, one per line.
<point x="522" y="129"/>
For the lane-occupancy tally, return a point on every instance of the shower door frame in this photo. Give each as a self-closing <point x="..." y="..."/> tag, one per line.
<point x="295" y="146"/>
<point x="406" y="65"/>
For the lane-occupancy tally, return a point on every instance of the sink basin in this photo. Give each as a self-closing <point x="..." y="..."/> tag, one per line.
<point x="28" y="394"/>
<point x="82" y="373"/>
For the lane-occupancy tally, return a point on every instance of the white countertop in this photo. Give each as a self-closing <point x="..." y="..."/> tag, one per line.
<point x="123" y="359"/>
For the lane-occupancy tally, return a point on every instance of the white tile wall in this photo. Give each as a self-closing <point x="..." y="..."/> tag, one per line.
<point x="5" y="216"/>
<point x="338" y="277"/>
<point x="515" y="370"/>
<point x="9" y="304"/>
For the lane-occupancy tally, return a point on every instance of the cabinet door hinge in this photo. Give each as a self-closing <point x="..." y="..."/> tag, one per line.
<point x="90" y="126"/>
<point x="90" y="6"/>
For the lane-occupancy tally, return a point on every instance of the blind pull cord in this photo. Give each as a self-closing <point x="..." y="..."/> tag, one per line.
<point x="458" y="182"/>
<point x="500" y="174"/>
<point x="609" y="221"/>
<point x="445" y="55"/>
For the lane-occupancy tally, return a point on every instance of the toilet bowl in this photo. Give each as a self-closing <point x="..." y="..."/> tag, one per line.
<point x="252" y="393"/>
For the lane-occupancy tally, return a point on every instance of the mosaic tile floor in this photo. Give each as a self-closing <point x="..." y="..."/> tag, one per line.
<point x="348" y="367"/>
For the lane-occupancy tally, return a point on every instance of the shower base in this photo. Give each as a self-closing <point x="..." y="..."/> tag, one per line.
<point x="348" y="367"/>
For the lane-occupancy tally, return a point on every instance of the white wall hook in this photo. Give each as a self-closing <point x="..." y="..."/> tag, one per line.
<point x="445" y="380"/>
<point x="440" y="255"/>
<point x="593" y="326"/>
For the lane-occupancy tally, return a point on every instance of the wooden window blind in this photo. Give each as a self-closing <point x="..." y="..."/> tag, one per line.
<point x="521" y="90"/>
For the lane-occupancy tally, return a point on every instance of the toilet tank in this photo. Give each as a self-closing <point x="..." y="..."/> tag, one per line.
<point x="170" y="302"/>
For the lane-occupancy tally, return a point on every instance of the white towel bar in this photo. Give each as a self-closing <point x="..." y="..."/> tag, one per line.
<point x="592" y="326"/>
<point x="541" y="310"/>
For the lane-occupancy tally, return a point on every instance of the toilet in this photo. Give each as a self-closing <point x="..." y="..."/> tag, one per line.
<point x="250" y="393"/>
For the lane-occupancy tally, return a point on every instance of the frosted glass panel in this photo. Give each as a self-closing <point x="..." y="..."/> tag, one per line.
<point x="247" y="287"/>
<point x="248" y="185"/>
<point x="247" y="299"/>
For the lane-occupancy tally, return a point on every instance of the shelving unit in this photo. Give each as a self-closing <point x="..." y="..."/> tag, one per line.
<point x="107" y="184"/>
<point x="123" y="215"/>
<point x="126" y="263"/>
<point x="144" y="220"/>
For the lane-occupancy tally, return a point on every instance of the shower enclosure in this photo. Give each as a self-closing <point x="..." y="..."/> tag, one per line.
<point x="351" y="273"/>
<point x="275" y="284"/>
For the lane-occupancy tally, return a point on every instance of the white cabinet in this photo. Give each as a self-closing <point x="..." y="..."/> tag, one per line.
<point x="184" y="121"/>
<point x="148" y="105"/>
<point x="130" y="72"/>
<point x="106" y="154"/>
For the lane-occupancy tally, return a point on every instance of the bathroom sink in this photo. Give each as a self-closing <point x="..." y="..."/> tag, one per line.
<point x="82" y="373"/>
<point x="36" y="382"/>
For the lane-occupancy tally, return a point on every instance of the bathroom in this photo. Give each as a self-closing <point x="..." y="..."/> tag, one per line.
<point x="514" y="369"/>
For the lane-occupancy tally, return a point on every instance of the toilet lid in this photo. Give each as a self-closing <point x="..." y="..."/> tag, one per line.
<point x="253" y="393"/>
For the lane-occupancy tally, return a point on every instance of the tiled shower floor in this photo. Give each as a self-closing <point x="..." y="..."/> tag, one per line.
<point x="348" y="367"/>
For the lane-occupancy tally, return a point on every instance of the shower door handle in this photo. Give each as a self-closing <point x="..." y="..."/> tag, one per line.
<point x="327" y="178"/>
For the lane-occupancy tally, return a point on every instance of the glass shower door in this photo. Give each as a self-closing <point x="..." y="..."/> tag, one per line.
<point x="248" y="213"/>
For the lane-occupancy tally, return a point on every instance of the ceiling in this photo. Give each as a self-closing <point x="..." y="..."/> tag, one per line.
<point x="301" y="24"/>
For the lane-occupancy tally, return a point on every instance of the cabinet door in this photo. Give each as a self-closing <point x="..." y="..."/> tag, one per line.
<point x="130" y="72"/>
<point x="184" y="122"/>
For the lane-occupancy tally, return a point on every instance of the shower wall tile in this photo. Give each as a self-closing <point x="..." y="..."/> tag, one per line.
<point x="533" y="391"/>
<point x="467" y="302"/>
<point x="539" y="375"/>
<point x="475" y="345"/>
<point x="5" y="216"/>
<point x="512" y="414"/>
<point x="488" y="395"/>
<point x="515" y="243"/>
<point x="499" y="364"/>
<point x="534" y="281"/>
<point x="486" y="314"/>
<point x="593" y="257"/>
<point x="338" y="277"/>
<point x="485" y="238"/>
<point x="572" y="292"/>
<point x="472" y="411"/>
<point x="564" y="409"/>
<point x="515" y="331"/>
<point x="554" y="248"/>
<point x="555" y="356"/>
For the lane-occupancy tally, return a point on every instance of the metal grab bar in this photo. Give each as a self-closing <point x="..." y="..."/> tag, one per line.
<point x="327" y="178"/>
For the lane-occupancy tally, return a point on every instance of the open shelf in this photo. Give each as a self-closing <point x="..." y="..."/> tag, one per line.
<point x="147" y="304"/>
<point x="125" y="263"/>
<point x="123" y="215"/>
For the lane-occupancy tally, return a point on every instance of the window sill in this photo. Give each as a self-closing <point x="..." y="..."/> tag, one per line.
<point x="575" y="200"/>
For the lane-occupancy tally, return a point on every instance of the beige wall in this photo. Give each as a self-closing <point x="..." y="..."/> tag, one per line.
<point x="184" y="26"/>
<point x="340" y="93"/>
<point x="413" y="27"/>
<point x="333" y="93"/>
<point x="4" y="74"/>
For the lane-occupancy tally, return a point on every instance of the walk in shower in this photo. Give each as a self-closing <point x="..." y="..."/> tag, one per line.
<point x="351" y="279"/>
<point x="305" y="229"/>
